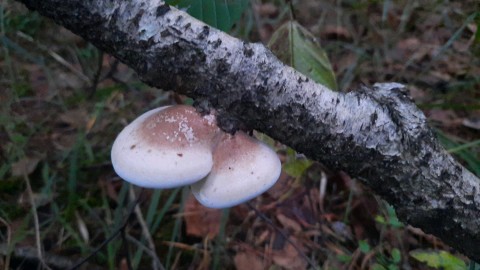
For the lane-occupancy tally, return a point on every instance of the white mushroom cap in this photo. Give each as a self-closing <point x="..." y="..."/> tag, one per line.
<point x="166" y="147"/>
<point x="243" y="169"/>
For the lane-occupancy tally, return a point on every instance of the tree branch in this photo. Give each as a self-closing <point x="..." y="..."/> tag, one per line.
<point x="375" y="134"/>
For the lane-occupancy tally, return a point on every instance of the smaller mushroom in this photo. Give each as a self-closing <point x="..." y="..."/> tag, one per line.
<point x="165" y="148"/>
<point x="243" y="169"/>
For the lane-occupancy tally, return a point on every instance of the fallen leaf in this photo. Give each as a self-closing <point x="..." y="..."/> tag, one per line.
<point x="406" y="47"/>
<point x="447" y="118"/>
<point x="289" y="223"/>
<point x="248" y="260"/>
<point x="123" y="264"/>
<point x="65" y="80"/>
<point x="268" y="10"/>
<point x="77" y="118"/>
<point x="418" y="94"/>
<point x="281" y="187"/>
<point x="38" y="80"/>
<point x="39" y="199"/>
<point x="262" y="238"/>
<point x="336" y="32"/>
<point x="294" y="45"/>
<point x="110" y="186"/>
<point x="201" y="221"/>
<point x="289" y="257"/>
<point x="25" y="166"/>
<point x="438" y="259"/>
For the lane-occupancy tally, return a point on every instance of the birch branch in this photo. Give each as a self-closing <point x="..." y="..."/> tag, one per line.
<point x="375" y="134"/>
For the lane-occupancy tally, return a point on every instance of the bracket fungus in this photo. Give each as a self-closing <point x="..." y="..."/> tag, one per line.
<point x="243" y="168"/>
<point x="165" y="148"/>
<point x="175" y="146"/>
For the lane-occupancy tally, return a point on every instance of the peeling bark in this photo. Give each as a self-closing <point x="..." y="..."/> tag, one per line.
<point x="375" y="134"/>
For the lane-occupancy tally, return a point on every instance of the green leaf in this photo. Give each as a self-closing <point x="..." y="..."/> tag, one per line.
<point x="392" y="217"/>
<point x="221" y="14"/>
<point x="396" y="255"/>
<point x="377" y="266"/>
<point x="344" y="258"/>
<point x="297" y="167"/>
<point x="380" y="219"/>
<point x="297" y="47"/>
<point x="439" y="259"/>
<point x="363" y="246"/>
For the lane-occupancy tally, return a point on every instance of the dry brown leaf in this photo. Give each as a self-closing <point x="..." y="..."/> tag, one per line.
<point x="123" y="264"/>
<point x="40" y="199"/>
<point x="65" y="80"/>
<point x="447" y="118"/>
<point x="201" y="221"/>
<point x="110" y="186"/>
<point x="281" y="187"/>
<point x="247" y="260"/>
<point x="266" y="10"/>
<point x="408" y="46"/>
<point x="336" y="32"/>
<point x="38" y="80"/>
<point x="77" y="118"/>
<point x="346" y="61"/>
<point x="25" y="166"/>
<point x="289" y="223"/>
<point x="289" y="257"/>
<point x="62" y="141"/>
<point x="262" y="238"/>
<point x="418" y="94"/>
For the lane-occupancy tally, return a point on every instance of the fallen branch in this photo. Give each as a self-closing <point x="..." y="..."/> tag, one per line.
<point x="27" y="256"/>
<point x="375" y="134"/>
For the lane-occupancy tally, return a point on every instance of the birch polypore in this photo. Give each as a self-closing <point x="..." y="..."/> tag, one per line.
<point x="176" y="146"/>
<point x="165" y="148"/>
<point x="243" y="168"/>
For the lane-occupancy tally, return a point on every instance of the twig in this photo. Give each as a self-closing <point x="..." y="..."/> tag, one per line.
<point x="146" y="232"/>
<point x="55" y="56"/>
<point x="27" y="253"/>
<point x="284" y="235"/>
<point x="322" y="191"/>
<point x="38" y="241"/>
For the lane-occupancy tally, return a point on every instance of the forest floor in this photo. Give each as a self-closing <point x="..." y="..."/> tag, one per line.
<point x="63" y="102"/>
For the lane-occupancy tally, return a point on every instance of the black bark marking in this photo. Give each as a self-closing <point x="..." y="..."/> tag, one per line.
<point x="247" y="51"/>
<point x="204" y="34"/>
<point x="373" y="118"/>
<point x="162" y="10"/>
<point x="136" y="19"/>
<point x="217" y="43"/>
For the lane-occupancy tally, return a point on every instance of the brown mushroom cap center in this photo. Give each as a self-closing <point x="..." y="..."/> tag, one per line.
<point x="234" y="149"/>
<point x="178" y="127"/>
